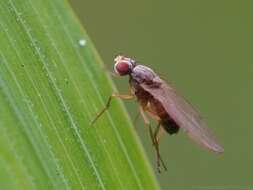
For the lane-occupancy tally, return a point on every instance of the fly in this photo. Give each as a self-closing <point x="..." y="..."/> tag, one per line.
<point x="159" y="100"/>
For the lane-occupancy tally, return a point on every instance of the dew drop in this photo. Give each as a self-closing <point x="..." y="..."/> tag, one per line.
<point x="82" y="42"/>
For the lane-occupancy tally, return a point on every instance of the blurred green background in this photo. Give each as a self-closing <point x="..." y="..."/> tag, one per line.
<point x="205" y="49"/>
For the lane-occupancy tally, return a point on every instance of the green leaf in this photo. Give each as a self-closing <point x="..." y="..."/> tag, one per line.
<point x="52" y="84"/>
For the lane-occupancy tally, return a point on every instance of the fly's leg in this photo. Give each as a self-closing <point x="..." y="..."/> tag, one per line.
<point x="157" y="135"/>
<point x="159" y="131"/>
<point x="121" y="96"/>
<point x="154" y="139"/>
<point x="147" y="122"/>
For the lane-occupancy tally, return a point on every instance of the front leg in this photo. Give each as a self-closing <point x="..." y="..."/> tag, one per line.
<point x="114" y="95"/>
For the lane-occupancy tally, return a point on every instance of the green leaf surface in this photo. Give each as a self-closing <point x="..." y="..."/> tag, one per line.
<point x="52" y="84"/>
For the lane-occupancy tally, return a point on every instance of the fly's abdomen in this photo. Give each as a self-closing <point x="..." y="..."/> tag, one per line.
<point x="169" y="125"/>
<point x="166" y="121"/>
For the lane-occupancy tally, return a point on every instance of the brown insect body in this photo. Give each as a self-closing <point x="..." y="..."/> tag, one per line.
<point x="161" y="101"/>
<point x="150" y="104"/>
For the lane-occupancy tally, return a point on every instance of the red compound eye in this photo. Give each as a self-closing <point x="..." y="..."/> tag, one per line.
<point x="123" y="67"/>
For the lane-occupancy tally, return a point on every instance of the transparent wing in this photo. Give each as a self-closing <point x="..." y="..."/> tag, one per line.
<point x="184" y="115"/>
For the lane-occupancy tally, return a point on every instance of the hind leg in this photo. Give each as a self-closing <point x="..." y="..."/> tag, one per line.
<point x="154" y="138"/>
<point x="157" y="134"/>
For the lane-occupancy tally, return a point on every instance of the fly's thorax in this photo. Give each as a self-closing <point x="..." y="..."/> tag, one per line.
<point x="142" y="95"/>
<point x="141" y="73"/>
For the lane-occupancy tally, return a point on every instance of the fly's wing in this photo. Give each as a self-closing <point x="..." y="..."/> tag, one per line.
<point x="184" y="115"/>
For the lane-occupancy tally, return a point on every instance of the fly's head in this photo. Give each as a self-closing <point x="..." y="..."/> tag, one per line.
<point x="123" y="65"/>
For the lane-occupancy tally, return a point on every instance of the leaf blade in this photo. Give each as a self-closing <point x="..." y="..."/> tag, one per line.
<point x="53" y="87"/>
